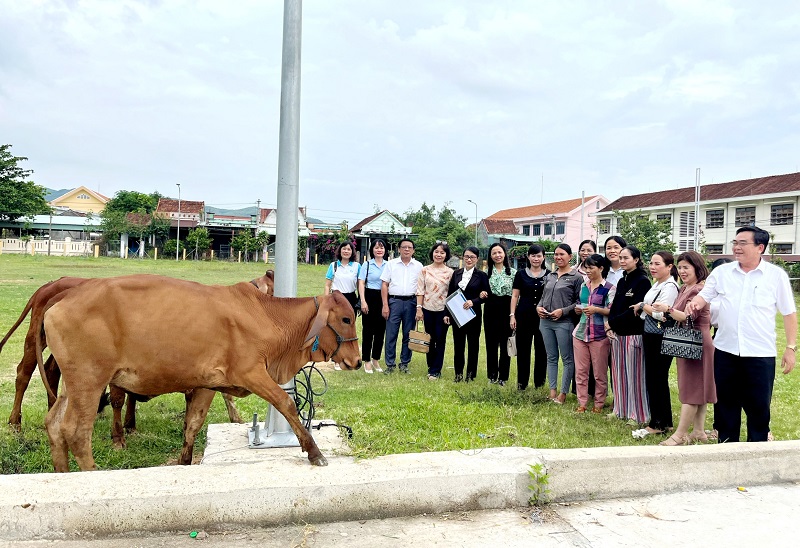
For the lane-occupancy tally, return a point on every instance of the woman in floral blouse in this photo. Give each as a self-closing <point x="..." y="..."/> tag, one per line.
<point x="496" y="326"/>
<point x="432" y="284"/>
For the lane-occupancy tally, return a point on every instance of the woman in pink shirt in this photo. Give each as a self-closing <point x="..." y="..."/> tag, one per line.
<point x="432" y="285"/>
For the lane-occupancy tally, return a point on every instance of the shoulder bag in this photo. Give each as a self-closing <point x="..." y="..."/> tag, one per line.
<point x="653" y="326"/>
<point x="683" y="342"/>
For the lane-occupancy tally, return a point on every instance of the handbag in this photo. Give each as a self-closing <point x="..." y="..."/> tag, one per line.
<point x="656" y="327"/>
<point x="683" y="342"/>
<point x="419" y="340"/>
<point x="511" y="344"/>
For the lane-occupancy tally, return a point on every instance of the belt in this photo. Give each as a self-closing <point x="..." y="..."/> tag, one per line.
<point x="403" y="297"/>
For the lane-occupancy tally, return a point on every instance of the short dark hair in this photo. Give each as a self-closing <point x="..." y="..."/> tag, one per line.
<point x="719" y="262"/>
<point x="595" y="259"/>
<point x="474" y="250"/>
<point x="760" y="236"/>
<point x="590" y="242"/>
<point x="535" y="248"/>
<point x="409" y="240"/>
<point x="375" y="242"/>
<point x="345" y="244"/>
<point x="698" y="263"/>
<point x="445" y="248"/>
<point x="565" y="247"/>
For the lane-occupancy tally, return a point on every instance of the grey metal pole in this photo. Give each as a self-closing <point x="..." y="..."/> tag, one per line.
<point x="289" y="153"/>
<point x="178" y="232"/>
<point x="476" y="221"/>
<point x="696" y="208"/>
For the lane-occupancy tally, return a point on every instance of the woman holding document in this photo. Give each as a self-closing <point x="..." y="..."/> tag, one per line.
<point x="474" y="284"/>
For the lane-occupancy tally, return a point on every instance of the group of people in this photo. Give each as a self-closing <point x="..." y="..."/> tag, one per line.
<point x="605" y="314"/>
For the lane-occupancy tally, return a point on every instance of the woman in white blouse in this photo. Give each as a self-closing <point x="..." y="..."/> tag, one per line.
<point x="656" y="364"/>
<point x="343" y="275"/>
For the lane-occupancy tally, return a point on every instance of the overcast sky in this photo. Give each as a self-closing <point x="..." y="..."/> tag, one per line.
<point x="402" y="101"/>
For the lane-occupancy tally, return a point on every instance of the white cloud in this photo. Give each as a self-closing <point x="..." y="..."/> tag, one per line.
<point x="401" y="101"/>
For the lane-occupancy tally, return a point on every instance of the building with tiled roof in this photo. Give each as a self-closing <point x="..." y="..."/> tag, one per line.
<point x="81" y="199"/>
<point x="568" y="221"/>
<point x="767" y="202"/>
<point x="382" y="224"/>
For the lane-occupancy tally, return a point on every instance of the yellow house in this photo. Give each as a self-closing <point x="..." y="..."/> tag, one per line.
<point x="81" y="199"/>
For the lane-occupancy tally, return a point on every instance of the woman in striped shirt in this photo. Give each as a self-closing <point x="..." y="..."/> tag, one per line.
<point x="590" y="344"/>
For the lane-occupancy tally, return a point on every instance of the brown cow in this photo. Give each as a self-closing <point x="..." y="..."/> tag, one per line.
<point x="27" y="365"/>
<point x="230" y="339"/>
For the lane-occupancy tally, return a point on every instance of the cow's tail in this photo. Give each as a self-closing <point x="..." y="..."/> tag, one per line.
<point x="40" y="350"/>
<point x="19" y="321"/>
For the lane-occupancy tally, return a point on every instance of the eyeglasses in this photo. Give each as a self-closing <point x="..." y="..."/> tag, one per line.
<point x="470" y="258"/>
<point x="406" y="247"/>
<point x="741" y="243"/>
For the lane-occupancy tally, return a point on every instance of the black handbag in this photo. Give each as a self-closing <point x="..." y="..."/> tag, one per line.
<point x="683" y="342"/>
<point x="656" y="327"/>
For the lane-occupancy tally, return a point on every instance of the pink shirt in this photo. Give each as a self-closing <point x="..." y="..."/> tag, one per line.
<point x="432" y="284"/>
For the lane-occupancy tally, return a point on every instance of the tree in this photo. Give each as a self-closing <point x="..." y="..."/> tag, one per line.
<point x="649" y="235"/>
<point x="115" y="220"/>
<point x="431" y="226"/>
<point x="18" y="196"/>
<point x="128" y="201"/>
<point x="198" y="240"/>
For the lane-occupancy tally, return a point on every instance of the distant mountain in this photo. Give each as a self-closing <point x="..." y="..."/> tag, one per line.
<point x="51" y="194"/>
<point x="244" y="212"/>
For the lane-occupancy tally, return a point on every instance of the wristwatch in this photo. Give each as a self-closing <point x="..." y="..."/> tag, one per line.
<point x="792" y="347"/>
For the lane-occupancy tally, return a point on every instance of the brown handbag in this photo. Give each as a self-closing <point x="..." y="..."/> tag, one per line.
<point x="419" y="340"/>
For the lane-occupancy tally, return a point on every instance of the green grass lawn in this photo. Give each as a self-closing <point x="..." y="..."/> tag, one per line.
<point x="388" y="414"/>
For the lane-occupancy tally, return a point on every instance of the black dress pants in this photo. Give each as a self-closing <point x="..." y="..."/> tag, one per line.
<point x="656" y="378"/>
<point x="743" y="384"/>
<point x="469" y="336"/>
<point x="496" y="331"/>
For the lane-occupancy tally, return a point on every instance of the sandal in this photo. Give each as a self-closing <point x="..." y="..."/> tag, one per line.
<point x="376" y="366"/>
<point x="560" y="399"/>
<point x="672" y="441"/>
<point x="597" y="410"/>
<point x="581" y="409"/>
<point x="698" y="438"/>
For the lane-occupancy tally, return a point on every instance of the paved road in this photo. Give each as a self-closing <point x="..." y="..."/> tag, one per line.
<point x="765" y="515"/>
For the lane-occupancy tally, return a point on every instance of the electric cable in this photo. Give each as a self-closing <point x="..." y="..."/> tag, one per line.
<point x="304" y="398"/>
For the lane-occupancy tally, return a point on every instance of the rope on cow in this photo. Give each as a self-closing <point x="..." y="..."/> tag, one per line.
<point x="304" y="398"/>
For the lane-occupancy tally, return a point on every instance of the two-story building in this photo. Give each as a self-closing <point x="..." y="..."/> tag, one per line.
<point x="567" y="221"/>
<point x="767" y="202"/>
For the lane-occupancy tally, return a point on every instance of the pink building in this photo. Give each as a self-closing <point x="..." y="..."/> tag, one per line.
<point x="558" y="221"/>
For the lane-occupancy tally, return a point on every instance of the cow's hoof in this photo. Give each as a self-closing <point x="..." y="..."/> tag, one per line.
<point x="120" y="444"/>
<point x="319" y="461"/>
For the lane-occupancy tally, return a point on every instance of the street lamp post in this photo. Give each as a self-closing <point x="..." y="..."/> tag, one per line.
<point x="178" y="232"/>
<point x="476" y="221"/>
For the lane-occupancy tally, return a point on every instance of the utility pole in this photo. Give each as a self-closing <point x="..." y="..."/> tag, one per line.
<point x="178" y="231"/>
<point x="476" y="221"/>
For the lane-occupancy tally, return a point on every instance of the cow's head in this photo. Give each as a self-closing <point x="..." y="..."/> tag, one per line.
<point x="333" y="331"/>
<point x="266" y="283"/>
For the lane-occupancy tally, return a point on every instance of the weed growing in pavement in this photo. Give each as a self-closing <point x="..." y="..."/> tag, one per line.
<point x="540" y="494"/>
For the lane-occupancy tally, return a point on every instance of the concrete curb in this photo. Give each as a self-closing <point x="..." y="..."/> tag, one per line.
<point x="280" y="487"/>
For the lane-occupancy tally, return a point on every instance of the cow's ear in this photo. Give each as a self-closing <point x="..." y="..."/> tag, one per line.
<point x="325" y="302"/>
<point x="270" y="274"/>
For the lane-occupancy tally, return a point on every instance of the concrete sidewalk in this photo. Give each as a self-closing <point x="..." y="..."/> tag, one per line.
<point x="729" y="517"/>
<point x="240" y="487"/>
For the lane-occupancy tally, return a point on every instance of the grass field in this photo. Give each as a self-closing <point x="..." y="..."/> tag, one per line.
<point x="388" y="414"/>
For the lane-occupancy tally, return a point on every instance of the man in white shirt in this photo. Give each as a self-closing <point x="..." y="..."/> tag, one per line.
<point x="750" y="291"/>
<point x="399" y="295"/>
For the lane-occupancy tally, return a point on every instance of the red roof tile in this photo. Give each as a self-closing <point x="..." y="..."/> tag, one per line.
<point x="168" y="205"/>
<point x="499" y="226"/>
<point x="773" y="184"/>
<point x="563" y="206"/>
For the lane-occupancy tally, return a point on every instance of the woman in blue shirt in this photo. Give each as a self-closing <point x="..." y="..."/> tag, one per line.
<point x="373" y="326"/>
